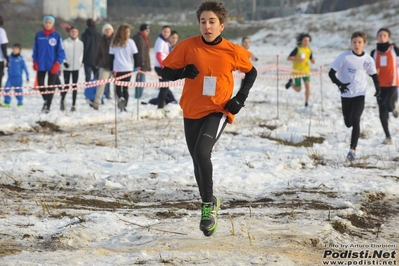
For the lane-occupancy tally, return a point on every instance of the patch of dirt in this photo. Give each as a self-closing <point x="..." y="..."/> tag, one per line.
<point x="47" y="127"/>
<point x="308" y="141"/>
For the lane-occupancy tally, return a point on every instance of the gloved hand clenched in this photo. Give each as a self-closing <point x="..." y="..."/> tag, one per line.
<point x="235" y="104"/>
<point x="377" y="91"/>
<point x="190" y="71"/>
<point x="55" y="68"/>
<point x="343" y="87"/>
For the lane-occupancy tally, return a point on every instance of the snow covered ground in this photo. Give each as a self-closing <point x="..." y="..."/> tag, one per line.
<point x="69" y="196"/>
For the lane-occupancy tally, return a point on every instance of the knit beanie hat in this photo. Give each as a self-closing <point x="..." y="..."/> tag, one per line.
<point x="143" y="27"/>
<point x="107" y="26"/>
<point x="50" y="17"/>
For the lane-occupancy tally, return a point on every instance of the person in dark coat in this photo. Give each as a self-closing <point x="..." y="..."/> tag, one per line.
<point x="102" y="62"/>
<point x="90" y="38"/>
<point x="143" y="59"/>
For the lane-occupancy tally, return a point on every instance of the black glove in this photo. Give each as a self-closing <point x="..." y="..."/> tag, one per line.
<point x="190" y="71"/>
<point x="377" y="91"/>
<point x="66" y="65"/>
<point x="235" y="104"/>
<point x="343" y="87"/>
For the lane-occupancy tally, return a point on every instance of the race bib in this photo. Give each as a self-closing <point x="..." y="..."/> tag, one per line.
<point x="209" y="88"/>
<point x="383" y="60"/>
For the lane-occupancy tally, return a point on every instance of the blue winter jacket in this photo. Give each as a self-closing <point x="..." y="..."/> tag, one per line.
<point x="47" y="50"/>
<point x="16" y="65"/>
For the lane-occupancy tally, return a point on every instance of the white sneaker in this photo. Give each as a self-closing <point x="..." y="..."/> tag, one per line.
<point x="395" y="111"/>
<point x="387" y="141"/>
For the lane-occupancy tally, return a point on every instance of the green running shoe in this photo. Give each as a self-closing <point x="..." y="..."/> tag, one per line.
<point x="209" y="211"/>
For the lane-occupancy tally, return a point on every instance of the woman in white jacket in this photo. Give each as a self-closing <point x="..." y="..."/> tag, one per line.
<point x="74" y="55"/>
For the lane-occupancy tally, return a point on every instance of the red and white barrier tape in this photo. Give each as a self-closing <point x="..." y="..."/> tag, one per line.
<point x="178" y="83"/>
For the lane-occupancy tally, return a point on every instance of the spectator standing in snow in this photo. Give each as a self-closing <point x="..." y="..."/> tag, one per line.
<point x="207" y="62"/>
<point x="170" y="98"/>
<point x="245" y="42"/>
<point x="349" y="72"/>
<point x="300" y="57"/>
<point x="74" y="56"/>
<point x="386" y="60"/>
<point x="48" y="54"/>
<point x="90" y="38"/>
<point x="16" y="65"/>
<point x="173" y="39"/>
<point x="162" y="49"/>
<point x="143" y="62"/>
<point x="3" y="50"/>
<point x="121" y="53"/>
<point x="103" y="63"/>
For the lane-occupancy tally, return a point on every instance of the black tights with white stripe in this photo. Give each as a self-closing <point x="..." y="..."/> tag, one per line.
<point x="201" y="135"/>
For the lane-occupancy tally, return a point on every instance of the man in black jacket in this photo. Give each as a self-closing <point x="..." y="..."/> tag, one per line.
<point x="90" y="38"/>
<point x="143" y="62"/>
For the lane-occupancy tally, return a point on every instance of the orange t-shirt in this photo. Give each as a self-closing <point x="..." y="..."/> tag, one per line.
<point x="387" y="67"/>
<point x="218" y="61"/>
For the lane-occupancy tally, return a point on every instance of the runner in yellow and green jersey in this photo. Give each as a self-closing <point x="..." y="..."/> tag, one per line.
<point x="301" y="56"/>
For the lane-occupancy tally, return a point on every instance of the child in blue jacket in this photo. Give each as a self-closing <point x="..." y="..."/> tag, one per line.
<point x="16" y="65"/>
<point x="48" y="54"/>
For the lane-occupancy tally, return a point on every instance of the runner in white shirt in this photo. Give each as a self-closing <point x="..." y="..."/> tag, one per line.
<point x="122" y="52"/>
<point x="353" y="67"/>
<point x="162" y="48"/>
<point x="3" y="50"/>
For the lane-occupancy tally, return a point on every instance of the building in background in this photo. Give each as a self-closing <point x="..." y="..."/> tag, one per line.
<point x="64" y="9"/>
<point x="72" y="9"/>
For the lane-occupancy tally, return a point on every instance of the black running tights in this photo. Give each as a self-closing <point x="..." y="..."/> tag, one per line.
<point x="352" y="109"/>
<point x="122" y="91"/>
<point x="201" y="135"/>
<point x="50" y="81"/>
<point x="386" y="103"/>
<point x="75" y="77"/>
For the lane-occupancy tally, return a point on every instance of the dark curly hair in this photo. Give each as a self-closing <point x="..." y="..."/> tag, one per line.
<point x="216" y="7"/>
<point x="301" y="36"/>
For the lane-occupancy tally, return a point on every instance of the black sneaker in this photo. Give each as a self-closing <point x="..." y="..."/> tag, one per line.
<point x="73" y="108"/>
<point x="44" y="108"/>
<point x="209" y="210"/>
<point x="289" y="84"/>
<point x="306" y="104"/>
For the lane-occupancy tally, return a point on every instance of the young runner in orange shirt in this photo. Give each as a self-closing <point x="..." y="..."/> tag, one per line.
<point x="207" y="62"/>
<point x="386" y="60"/>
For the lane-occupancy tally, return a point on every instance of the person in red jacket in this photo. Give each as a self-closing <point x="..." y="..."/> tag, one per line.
<point x="48" y="54"/>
